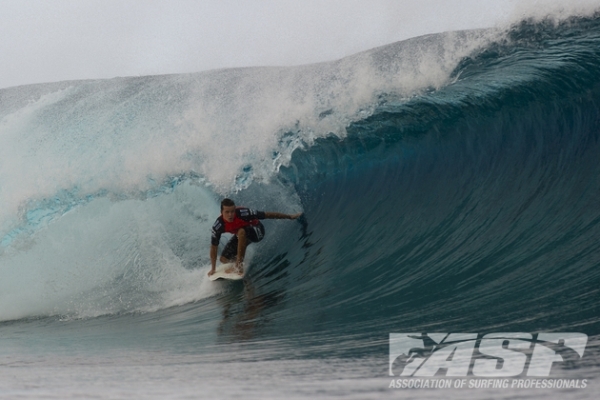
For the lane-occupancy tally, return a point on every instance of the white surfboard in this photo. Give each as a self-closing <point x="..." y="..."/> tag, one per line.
<point x="226" y="271"/>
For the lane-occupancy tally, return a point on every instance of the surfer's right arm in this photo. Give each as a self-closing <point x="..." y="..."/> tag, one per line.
<point x="213" y="259"/>
<point x="217" y="230"/>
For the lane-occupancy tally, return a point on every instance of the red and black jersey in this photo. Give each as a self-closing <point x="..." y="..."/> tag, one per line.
<point x="243" y="217"/>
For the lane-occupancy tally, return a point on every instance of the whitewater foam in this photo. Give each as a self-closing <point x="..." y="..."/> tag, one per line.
<point x="110" y="257"/>
<point x="127" y="136"/>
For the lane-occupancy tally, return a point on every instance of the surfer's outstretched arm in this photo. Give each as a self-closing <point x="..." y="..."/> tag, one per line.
<point x="278" y="215"/>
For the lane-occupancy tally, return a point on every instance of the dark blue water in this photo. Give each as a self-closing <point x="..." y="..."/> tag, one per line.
<point x="467" y="208"/>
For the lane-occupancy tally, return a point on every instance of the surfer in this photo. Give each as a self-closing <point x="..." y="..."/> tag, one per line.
<point x="246" y="228"/>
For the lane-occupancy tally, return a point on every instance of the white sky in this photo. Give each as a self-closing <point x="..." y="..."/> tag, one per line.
<point x="55" y="40"/>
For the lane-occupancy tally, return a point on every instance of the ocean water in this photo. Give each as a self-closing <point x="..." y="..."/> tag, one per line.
<point x="449" y="183"/>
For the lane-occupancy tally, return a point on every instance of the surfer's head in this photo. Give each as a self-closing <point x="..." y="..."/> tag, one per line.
<point x="228" y="210"/>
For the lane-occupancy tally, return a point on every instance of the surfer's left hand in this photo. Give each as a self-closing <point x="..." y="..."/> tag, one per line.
<point x="295" y="216"/>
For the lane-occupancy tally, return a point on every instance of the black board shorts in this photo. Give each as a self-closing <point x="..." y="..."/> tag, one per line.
<point x="254" y="234"/>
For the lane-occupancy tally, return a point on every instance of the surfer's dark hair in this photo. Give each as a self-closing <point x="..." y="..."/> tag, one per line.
<point x="227" y="203"/>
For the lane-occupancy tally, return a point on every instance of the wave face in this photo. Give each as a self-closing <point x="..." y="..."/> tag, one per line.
<point x="448" y="182"/>
<point x="471" y="207"/>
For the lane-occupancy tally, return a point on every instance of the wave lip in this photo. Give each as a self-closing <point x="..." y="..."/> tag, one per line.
<point x="120" y="136"/>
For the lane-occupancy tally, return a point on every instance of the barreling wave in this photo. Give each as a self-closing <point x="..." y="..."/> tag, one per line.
<point x="450" y="180"/>
<point x="471" y="207"/>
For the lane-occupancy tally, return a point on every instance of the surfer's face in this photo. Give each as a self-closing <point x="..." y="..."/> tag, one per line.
<point x="228" y="213"/>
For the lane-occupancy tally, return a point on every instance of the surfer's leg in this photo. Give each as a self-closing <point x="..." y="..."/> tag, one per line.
<point x="230" y="251"/>
<point x="241" y="249"/>
<point x="247" y="235"/>
<point x="255" y="233"/>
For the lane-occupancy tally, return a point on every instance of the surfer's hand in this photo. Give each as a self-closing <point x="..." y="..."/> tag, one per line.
<point x="295" y="216"/>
